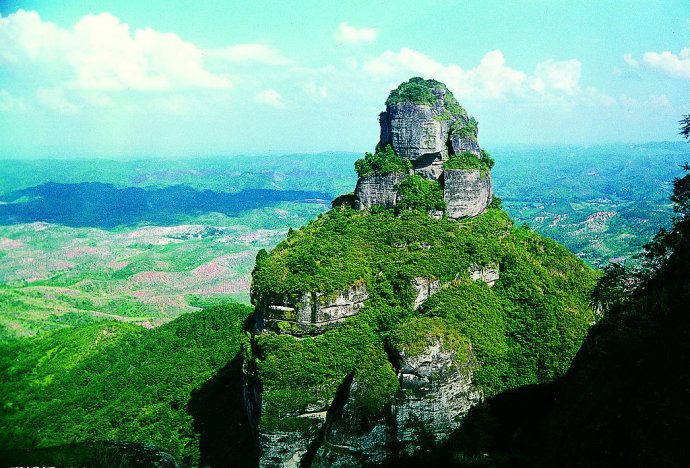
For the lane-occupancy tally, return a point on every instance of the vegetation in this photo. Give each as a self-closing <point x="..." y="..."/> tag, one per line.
<point x="468" y="160"/>
<point x="383" y="161"/>
<point x="524" y="330"/>
<point x="464" y="130"/>
<point x="111" y="380"/>
<point x="418" y="91"/>
<point x="418" y="193"/>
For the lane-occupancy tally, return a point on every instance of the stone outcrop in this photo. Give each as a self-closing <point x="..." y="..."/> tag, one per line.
<point x="488" y="273"/>
<point x="308" y="312"/>
<point x="467" y="192"/>
<point x="377" y="190"/>
<point x="427" y="135"/>
<point x="436" y="392"/>
<point x="424" y="288"/>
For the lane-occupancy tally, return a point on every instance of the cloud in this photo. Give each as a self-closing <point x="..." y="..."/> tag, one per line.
<point x="349" y="35"/>
<point x="660" y="101"/>
<point x="491" y="79"/>
<point x="563" y="76"/>
<point x="628" y="58"/>
<point x="9" y="102"/>
<point x="270" y="97"/>
<point x="55" y="100"/>
<point x="315" y="90"/>
<point x="101" y="53"/>
<point x="257" y="53"/>
<point x="677" y="66"/>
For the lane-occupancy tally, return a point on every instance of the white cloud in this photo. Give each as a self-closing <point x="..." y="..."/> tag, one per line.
<point x="100" y="53"/>
<point x="9" y="102"/>
<point x="349" y="35"/>
<point x="315" y="90"/>
<point x="660" y="101"/>
<point x="258" y="53"/>
<point x="491" y="79"/>
<point x="55" y="100"/>
<point x="628" y="58"/>
<point x="270" y="97"/>
<point x="562" y="76"/>
<point x="677" y="66"/>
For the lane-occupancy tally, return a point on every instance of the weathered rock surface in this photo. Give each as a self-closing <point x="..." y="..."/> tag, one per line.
<point x="425" y="288"/>
<point x="461" y="144"/>
<point x="309" y="312"/>
<point x="467" y="192"/>
<point x="488" y="273"/>
<point x="427" y="135"/>
<point x="436" y="392"/>
<point x="377" y="190"/>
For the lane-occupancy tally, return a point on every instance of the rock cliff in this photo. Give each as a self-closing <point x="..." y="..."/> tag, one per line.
<point x="424" y="124"/>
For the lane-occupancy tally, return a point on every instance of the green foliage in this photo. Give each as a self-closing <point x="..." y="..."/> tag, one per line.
<point x="383" y="161"/>
<point x="110" y="380"/>
<point x="418" y="91"/>
<point x="415" y="91"/>
<point x="416" y="335"/>
<point x="418" y="193"/>
<point x="468" y="160"/>
<point x="464" y="130"/>
<point x="524" y="330"/>
<point x="495" y="203"/>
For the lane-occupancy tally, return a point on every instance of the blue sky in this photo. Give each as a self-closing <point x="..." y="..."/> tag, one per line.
<point x="187" y="78"/>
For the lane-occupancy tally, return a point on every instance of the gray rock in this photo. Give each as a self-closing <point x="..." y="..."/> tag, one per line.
<point x="466" y="192"/>
<point x="465" y="144"/>
<point x="309" y="312"/>
<point x="436" y="392"/>
<point x="424" y="287"/>
<point x="488" y="273"/>
<point x="377" y="190"/>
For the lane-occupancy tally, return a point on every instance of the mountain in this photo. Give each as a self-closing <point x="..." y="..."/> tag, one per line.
<point x="381" y="323"/>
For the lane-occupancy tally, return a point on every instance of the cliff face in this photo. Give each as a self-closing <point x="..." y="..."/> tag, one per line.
<point x="428" y="134"/>
<point x="377" y="330"/>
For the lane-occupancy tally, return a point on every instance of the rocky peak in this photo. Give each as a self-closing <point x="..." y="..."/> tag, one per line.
<point x="424" y="124"/>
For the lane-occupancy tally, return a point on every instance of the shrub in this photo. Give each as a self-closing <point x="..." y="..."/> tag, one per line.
<point x="418" y="193"/>
<point x="383" y="161"/>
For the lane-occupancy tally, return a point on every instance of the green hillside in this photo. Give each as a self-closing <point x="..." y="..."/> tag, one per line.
<point x="112" y="380"/>
<point x="524" y="330"/>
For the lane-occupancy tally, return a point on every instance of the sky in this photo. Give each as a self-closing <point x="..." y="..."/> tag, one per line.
<point x="189" y="78"/>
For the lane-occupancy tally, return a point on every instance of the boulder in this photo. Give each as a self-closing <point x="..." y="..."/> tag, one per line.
<point x="467" y="192"/>
<point x="377" y="190"/>
<point x="488" y="273"/>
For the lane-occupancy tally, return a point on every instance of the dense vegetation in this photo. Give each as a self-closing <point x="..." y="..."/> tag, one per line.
<point x="417" y="193"/>
<point x="111" y="380"/>
<point x="524" y="330"/>
<point x="418" y="91"/>
<point x="383" y="161"/>
<point x="468" y="160"/>
<point x="464" y="130"/>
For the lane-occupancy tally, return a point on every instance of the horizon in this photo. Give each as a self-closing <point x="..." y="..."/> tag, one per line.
<point x="208" y="80"/>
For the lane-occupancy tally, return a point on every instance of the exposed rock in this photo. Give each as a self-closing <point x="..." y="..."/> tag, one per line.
<point x="424" y="288"/>
<point x="377" y="190"/>
<point x="354" y="439"/>
<point x="467" y="192"/>
<point x="309" y="312"/>
<point x="461" y="144"/>
<point x="436" y="392"/>
<point x="425" y="134"/>
<point x="488" y="273"/>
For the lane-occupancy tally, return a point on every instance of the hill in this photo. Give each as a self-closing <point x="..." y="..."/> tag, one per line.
<point x="382" y="322"/>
